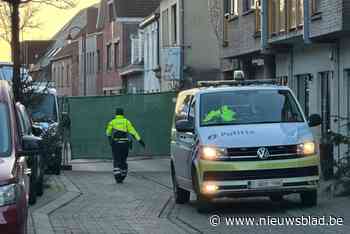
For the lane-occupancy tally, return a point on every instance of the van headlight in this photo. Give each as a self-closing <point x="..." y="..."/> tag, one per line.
<point x="8" y="194"/>
<point x="212" y="153"/>
<point x="307" y="148"/>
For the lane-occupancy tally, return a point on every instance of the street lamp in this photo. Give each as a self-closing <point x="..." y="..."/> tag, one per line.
<point x="69" y="39"/>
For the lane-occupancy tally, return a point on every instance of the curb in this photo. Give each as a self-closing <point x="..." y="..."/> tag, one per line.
<point x="41" y="220"/>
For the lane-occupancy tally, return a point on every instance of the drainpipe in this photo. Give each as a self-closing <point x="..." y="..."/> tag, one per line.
<point x="338" y="81"/>
<point x="307" y="20"/>
<point x="182" y="38"/>
<point x="264" y="25"/>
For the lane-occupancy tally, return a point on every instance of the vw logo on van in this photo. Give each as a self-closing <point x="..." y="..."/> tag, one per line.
<point x="263" y="153"/>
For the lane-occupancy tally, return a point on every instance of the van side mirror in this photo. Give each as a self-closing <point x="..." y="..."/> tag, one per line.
<point x="31" y="145"/>
<point x="315" y="120"/>
<point x="184" y="126"/>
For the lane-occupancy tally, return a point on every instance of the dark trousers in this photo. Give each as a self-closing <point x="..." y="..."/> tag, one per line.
<point x="120" y="156"/>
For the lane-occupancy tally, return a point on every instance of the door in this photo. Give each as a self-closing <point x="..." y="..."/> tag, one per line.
<point x="182" y="140"/>
<point x="326" y="147"/>
<point x="303" y="93"/>
<point x="325" y="103"/>
<point x="190" y="140"/>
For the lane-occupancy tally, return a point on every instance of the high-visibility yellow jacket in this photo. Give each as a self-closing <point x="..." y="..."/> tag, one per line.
<point x="123" y="125"/>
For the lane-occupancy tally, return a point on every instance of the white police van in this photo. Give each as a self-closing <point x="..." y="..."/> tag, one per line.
<point x="243" y="138"/>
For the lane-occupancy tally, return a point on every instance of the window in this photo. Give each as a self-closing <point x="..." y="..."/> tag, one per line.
<point x="111" y="12"/>
<point x="165" y="28"/>
<point x="231" y="7"/>
<point x="44" y="109"/>
<point x="109" y="57"/>
<point x="192" y="112"/>
<point x="4" y="131"/>
<point x="249" y="107"/>
<point x="98" y="60"/>
<point x="116" y="55"/>
<point x="300" y="12"/>
<point x="249" y="5"/>
<point x="292" y="13"/>
<point x="282" y="15"/>
<point x="182" y="107"/>
<point x="68" y="74"/>
<point x="174" y="24"/>
<point x="316" y="6"/>
<point x="274" y="16"/>
<point x="285" y="15"/>
<point x="257" y="16"/>
<point x="62" y="75"/>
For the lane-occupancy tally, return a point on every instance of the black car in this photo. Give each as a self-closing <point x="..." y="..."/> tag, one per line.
<point x="35" y="163"/>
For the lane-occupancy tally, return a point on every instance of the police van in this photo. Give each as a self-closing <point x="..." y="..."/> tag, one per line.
<point x="243" y="138"/>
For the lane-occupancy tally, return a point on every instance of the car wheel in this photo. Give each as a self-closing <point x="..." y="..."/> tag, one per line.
<point x="32" y="189"/>
<point x="57" y="166"/>
<point x="181" y="195"/>
<point x="40" y="186"/>
<point x="276" y="197"/>
<point x="309" y="198"/>
<point x="203" y="203"/>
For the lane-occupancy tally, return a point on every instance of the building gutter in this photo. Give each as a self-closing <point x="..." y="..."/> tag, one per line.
<point x="265" y="25"/>
<point x="307" y="21"/>
<point x="182" y="38"/>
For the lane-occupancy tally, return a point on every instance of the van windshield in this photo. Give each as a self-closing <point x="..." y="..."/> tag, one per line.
<point x="249" y="107"/>
<point x="43" y="108"/>
<point x="4" y="131"/>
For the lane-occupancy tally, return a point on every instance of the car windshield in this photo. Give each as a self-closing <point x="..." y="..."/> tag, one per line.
<point x="249" y="107"/>
<point x="4" y="131"/>
<point x="43" y="108"/>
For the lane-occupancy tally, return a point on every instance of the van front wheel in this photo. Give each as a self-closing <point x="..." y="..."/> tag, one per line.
<point x="309" y="198"/>
<point x="181" y="195"/>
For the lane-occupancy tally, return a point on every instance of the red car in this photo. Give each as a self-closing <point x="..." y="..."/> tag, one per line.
<point x="15" y="148"/>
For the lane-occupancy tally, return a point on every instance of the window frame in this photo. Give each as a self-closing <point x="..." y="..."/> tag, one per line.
<point x="9" y="130"/>
<point x="315" y="7"/>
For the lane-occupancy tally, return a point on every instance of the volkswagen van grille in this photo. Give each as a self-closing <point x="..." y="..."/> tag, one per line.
<point x="261" y="174"/>
<point x="250" y="153"/>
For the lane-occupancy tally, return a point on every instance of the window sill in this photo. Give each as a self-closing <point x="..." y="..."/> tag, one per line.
<point x="231" y="17"/>
<point x="225" y="44"/>
<point x="257" y="34"/>
<point x="248" y="12"/>
<point x="316" y="16"/>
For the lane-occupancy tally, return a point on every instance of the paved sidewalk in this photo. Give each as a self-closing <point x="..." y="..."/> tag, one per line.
<point x="94" y="203"/>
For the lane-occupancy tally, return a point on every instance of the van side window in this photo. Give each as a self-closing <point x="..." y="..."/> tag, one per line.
<point x="192" y="113"/>
<point x="183" y="107"/>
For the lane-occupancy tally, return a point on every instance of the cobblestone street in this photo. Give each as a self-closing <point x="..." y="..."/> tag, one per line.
<point x="94" y="204"/>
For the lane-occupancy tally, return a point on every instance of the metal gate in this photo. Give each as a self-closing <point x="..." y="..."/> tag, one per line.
<point x="151" y="115"/>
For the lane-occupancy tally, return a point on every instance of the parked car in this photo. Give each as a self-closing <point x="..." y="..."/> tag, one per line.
<point x="243" y="140"/>
<point x="37" y="162"/>
<point x="45" y="116"/>
<point x="14" y="172"/>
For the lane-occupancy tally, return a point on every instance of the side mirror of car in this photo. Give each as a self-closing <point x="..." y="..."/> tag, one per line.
<point x="31" y="145"/>
<point x="315" y="120"/>
<point x="37" y="131"/>
<point x="184" y="126"/>
<point x="65" y="120"/>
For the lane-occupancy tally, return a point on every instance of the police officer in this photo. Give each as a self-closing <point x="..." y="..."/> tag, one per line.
<point x="119" y="131"/>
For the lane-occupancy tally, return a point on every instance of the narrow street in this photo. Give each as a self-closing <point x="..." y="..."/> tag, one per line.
<point x="87" y="200"/>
